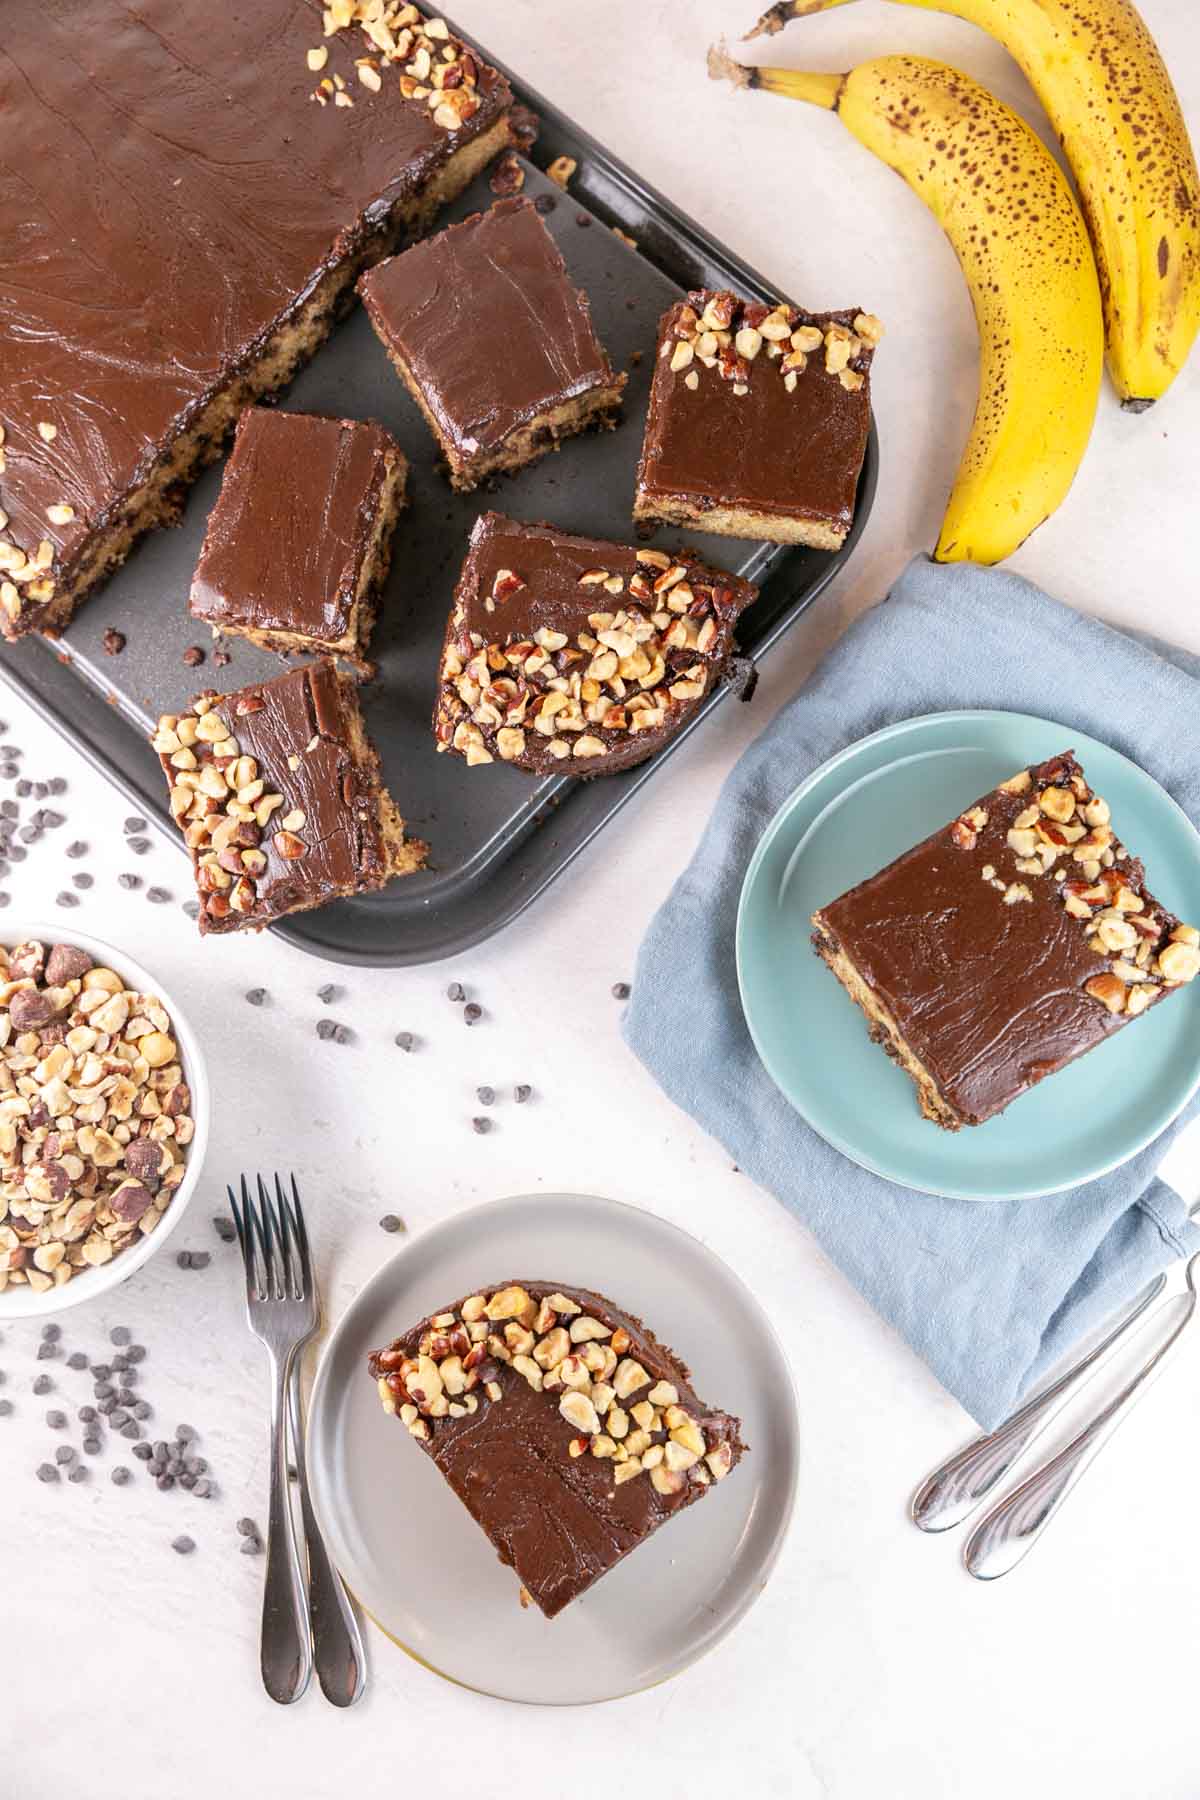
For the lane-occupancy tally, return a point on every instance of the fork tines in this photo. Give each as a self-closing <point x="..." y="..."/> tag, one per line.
<point x="274" y="1241"/>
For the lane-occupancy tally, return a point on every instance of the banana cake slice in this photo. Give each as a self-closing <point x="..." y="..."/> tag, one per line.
<point x="1014" y="940"/>
<point x="566" y="1429"/>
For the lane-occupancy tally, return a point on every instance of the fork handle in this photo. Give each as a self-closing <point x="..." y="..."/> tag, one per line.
<point x="338" y="1652"/>
<point x="964" y="1481"/>
<point x="1011" y="1529"/>
<point x="287" y="1651"/>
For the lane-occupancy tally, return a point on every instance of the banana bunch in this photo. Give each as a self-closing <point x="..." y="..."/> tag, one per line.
<point x="1097" y="72"/>
<point x="1022" y="244"/>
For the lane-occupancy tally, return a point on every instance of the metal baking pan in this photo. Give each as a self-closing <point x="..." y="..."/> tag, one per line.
<point x="498" y="839"/>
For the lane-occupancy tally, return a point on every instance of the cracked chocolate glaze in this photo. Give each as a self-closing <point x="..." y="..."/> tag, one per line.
<point x="170" y="194"/>
<point x="796" y="454"/>
<point x="549" y="563"/>
<point x="989" y="996"/>
<point x="286" y="540"/>
<point x="556" y="1520"/>
<point x="486" y="320"/>
<point x="305" y="714"/>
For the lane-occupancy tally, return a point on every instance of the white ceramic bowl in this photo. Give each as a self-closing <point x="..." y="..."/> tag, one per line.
<point x="20" y="1302"/>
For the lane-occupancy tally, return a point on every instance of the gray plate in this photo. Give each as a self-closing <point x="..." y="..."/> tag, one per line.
<point x="416" y="1560"/>
<point x="499" y="839"/>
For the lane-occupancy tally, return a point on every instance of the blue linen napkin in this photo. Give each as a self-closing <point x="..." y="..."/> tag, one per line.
<point x="1013" y="1286"/>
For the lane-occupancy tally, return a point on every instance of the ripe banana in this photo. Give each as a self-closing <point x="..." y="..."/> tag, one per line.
<point x="1098" y="74"/>
<point x="1005" y="205"/>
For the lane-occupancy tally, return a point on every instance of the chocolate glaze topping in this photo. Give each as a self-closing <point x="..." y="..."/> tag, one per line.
<point x="488" y="324"/>
<point x="548" y="564"/>
<point x="285" y="541"/>
<point x="797" y="453"/>
<point x="991" y="997"/>
<point x="303" y="714"/>
<point x="171" y="191"/>
<point x="559" y="1521"/>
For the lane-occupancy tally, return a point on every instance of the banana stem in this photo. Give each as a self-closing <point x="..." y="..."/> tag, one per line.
<point x="776" y="17"/>
<point x="797" y="84"/>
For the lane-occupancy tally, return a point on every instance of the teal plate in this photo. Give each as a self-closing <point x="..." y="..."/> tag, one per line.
<point x="854" y="815"/>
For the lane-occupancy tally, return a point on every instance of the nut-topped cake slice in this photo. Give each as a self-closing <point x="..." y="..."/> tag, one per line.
<point x="190" y="194"/>
<point x="493" y="341"/>
<point x="298" y="544"/>
<point x="277" y="791"/>
<point x="758" y="420"/>
<point x="1012" y="941"/>
<point x="571" y="655"/>
<point x="566" y="1429"/>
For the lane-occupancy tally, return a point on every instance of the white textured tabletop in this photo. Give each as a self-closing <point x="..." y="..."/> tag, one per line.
<point x="871" y="1666"/>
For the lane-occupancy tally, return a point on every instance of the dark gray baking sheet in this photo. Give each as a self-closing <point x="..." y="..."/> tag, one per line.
<point x="498" y="839"/>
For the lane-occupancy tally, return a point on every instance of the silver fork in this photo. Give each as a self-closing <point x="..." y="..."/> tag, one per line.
<point x="282" y="1309"/>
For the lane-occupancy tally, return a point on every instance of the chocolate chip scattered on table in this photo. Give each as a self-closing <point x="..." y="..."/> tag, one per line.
<point x="95" y="1116"/>
<point x="567" y="1430"/>
<point x="571" y="655"/>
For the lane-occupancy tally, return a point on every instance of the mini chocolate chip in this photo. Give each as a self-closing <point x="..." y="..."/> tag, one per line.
<point x="48" y="1472"/>
<point x="391" y="1222"/>
<point x="92" y="1446"/>
<point x="118" y="1417"/>
<point x="131" y="1429"/>
<point x="78" y="1473"/>
<point x="184" y="1259"/>
<point x="522" y="1092"/>
<point x="139" y="845"/>
<point x="326" y="1028"/>
<point x="456" y="991"/>
<point x="129" y="881"/>
<point x="328" y="994"/>
<point x="250" y="1546"/>
<point x="185" y="1433"/>
<point x="191" y="908"/>
<point x="136" y="1353"/>
<point x="343" y="1035"/>
<point x="120" y="1335"/>
<point x="52" y="1333"/>
<point x="87" y="1415"/>
<point x="404" y="1040"/>
<point x="164" y="1482"/>
<point x="486" y="1096"/>
<point x="133" y="825"/>
<point x="200" y="1259"/>
<point x="105" y="1407"/>
<point x="222" y="658"/>
<point x="102" y="1371"/>
<point x="246" y="1528"/>
<point x="120" y="1360"/>
<point x="193" y="656"/>
<point x="120" y="1475"/>
<point x="104" y="1390"/>
<point x="42" y="1384"/>
<point x="56" y="785"/>
<point x="472" y="1013"/>
<point x="186" y="1481"/>
<point x="50" y="820"/>
<point x="66" y="1453"/>
<point x="143" y="1452"/>
<point x="545" y="203"/>
<point x="160" y="1450"/>
<point x="224" y="1228"/>
<point x="203" y="1489"/>
<point x="482" y="1126"/>
<point x="56" y="1420"/>
<point x="9" y="809"/>
<point x="158" y="896"/>
<point x="256" y="996"/>
<point x="143" y="1410"/>
<point x="83" y="881"/>
<point x="621" y="990"/>
<point x="77" y="1360"/>
<point x="185" y="1545"/>
<point x="195" y="1465"/>
<point x="6" y="1407"/>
